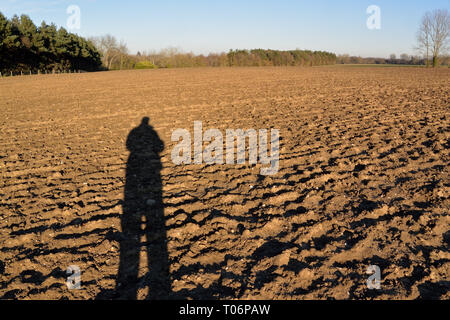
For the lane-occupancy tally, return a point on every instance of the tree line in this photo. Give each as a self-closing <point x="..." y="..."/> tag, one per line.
<point x="24" y="47"/>
<point x="260" y="57"/>
<point x="403" y="59"/>
<point x="116" y="57"/>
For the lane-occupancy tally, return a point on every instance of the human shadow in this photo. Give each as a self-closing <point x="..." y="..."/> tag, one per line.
<point x="143" y="217"/>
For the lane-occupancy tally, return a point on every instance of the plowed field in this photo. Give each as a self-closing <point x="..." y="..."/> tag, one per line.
<point x="363" y="180"/>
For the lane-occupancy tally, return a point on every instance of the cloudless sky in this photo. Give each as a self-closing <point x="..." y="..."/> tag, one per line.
<point x="204" y="26"/>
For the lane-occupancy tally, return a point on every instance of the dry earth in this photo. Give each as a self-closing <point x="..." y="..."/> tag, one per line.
<point x="363" y="180"/>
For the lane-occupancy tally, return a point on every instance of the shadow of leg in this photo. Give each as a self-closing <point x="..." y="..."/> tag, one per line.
<point x="157" y="255"/>
<point x="127" y="279"/>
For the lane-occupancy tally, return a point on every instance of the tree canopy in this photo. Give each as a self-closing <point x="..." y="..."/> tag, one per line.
<point x="261" y="57"/>
<point x="26" y="47"/>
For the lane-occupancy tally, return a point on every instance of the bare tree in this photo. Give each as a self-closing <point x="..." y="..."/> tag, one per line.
<point x="433" y="35"/>
<point x="122" y="50"/>
<point x="112" y="51"/>
<point x="423" y="37"/>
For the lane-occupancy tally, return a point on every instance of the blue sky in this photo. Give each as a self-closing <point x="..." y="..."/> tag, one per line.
<point x="204" y="26"/>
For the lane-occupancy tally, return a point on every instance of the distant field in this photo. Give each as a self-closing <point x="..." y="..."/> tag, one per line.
<point x="363" y="180"/>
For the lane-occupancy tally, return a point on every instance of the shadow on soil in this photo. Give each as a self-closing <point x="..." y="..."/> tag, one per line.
<point x="144" y="229"/>
<point x="142" y="218"/>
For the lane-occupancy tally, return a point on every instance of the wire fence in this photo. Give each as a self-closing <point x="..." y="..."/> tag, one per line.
<point x="29" y="73"/>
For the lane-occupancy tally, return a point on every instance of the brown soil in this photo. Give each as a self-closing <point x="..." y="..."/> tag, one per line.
<point x="363" y="180"/>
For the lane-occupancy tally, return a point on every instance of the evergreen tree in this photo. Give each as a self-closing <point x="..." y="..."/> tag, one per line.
<point x="25" y="47"/>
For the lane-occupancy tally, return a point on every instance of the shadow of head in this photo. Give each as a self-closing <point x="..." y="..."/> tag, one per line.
<point x="144" y="139"/>
<point x="145" y="121"/>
